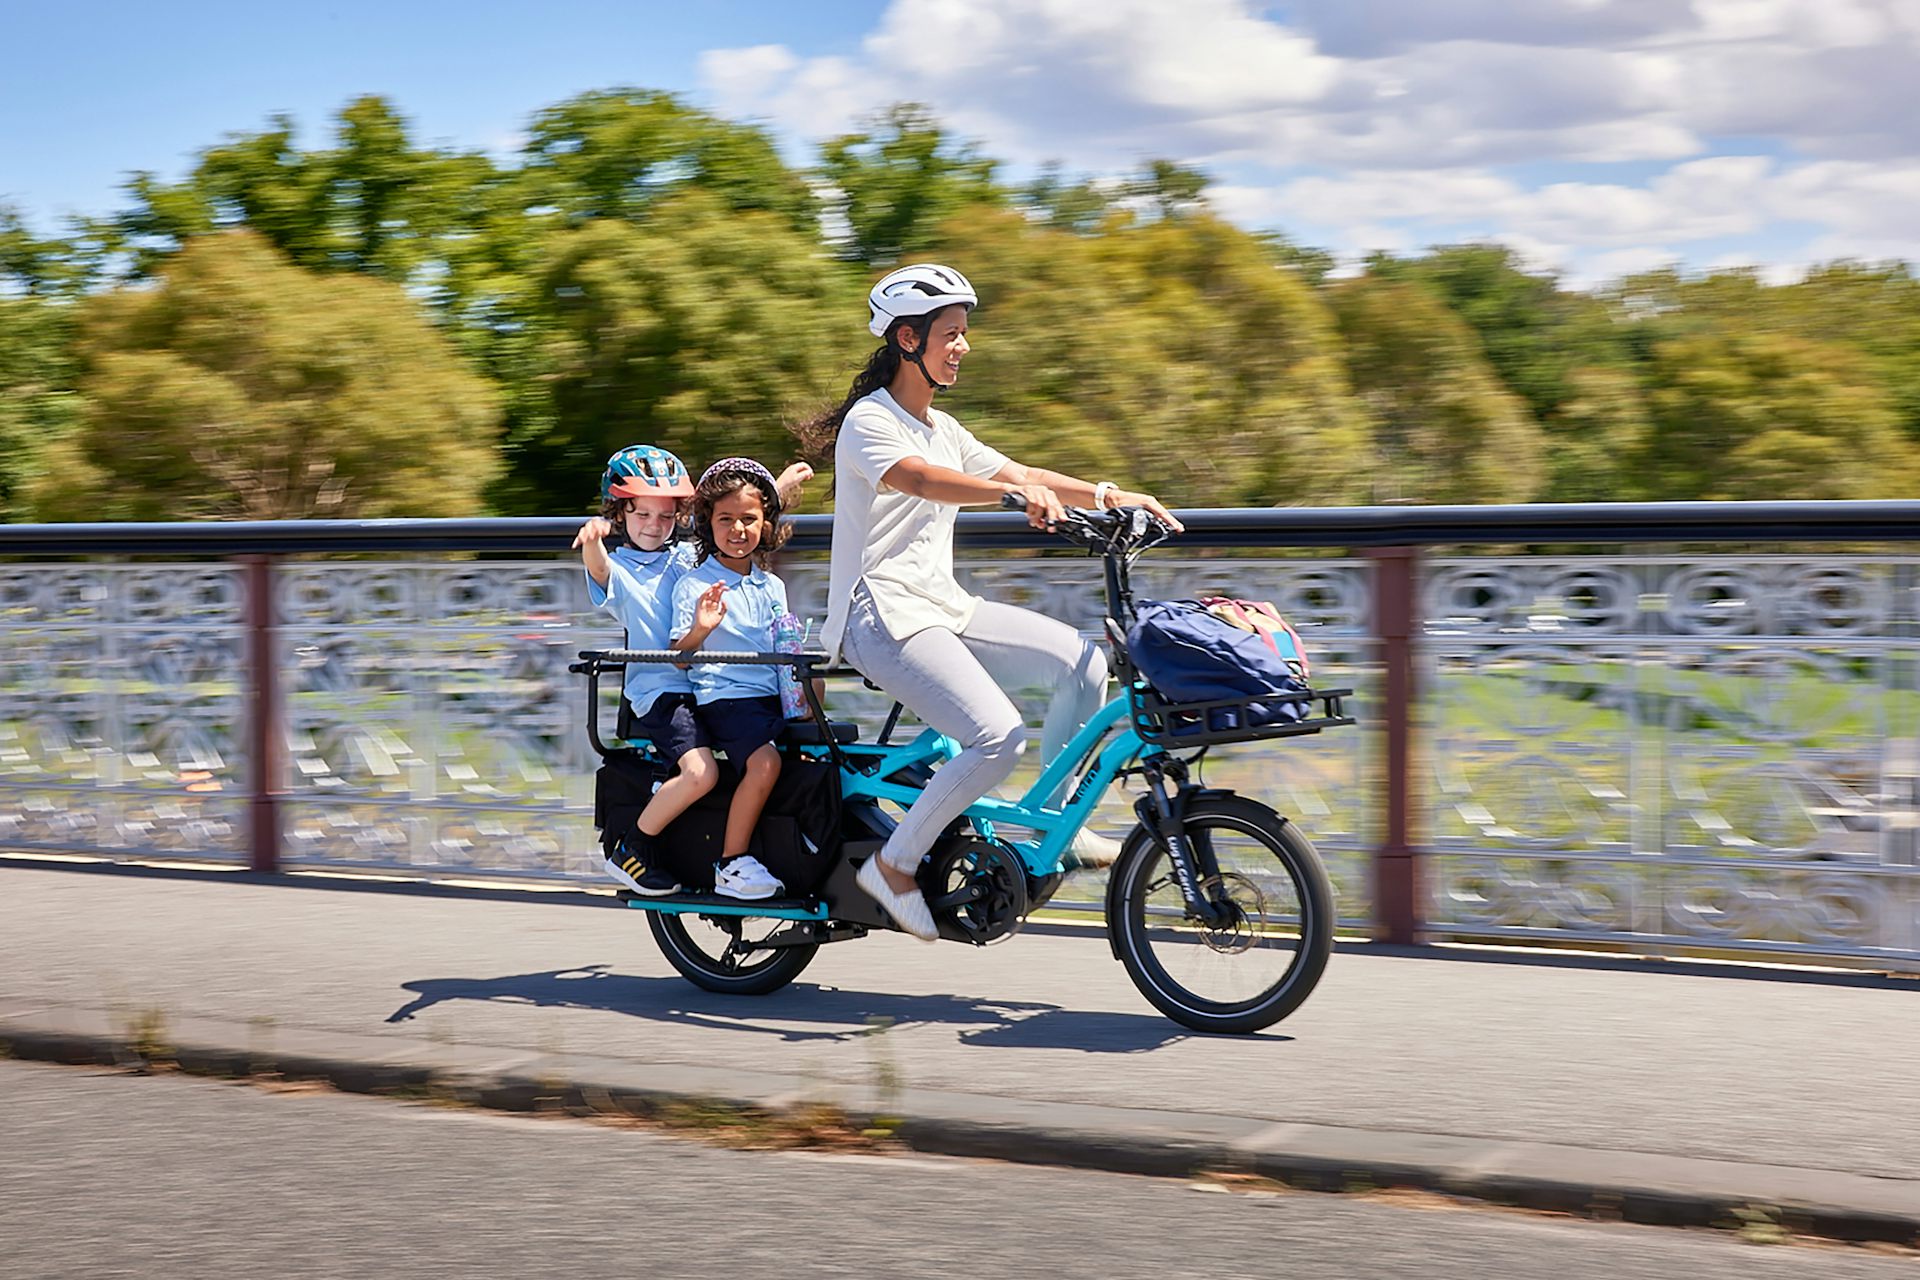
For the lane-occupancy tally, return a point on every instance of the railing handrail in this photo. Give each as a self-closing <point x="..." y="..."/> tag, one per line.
<point x="1251" y="527"/>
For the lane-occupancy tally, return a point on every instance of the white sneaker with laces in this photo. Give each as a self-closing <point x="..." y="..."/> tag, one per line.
<point x="1091" y="849"/>
<point x="908" y="910"/>
<point x="744" y="877"/>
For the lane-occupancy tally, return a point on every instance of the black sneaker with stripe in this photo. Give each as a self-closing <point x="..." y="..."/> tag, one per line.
<point x="635" y="864"/>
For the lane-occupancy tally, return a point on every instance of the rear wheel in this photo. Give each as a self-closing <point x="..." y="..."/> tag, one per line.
<point x="1257" y="964"/>
<point x="717" y="953"/>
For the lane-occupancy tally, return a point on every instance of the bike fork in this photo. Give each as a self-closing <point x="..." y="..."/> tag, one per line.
<point x="1164" y="815"/>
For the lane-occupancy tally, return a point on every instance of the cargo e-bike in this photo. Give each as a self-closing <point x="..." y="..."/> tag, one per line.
<point x="1218" y="907"/>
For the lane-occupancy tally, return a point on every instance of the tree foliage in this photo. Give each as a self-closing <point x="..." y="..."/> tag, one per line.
<point x="1766" y="416"/>
<point x="618" y="154"/>
<point x="897" y="182"/>
<point x="1445" y="428"/>
<point x="643" y="270"/>
<point x="240" y="386"/>
<point x="703" y="331"/>
<point x="1171" y="352"/>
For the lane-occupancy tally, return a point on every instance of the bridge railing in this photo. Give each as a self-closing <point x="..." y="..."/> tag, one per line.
<point x="1670" y="726"/>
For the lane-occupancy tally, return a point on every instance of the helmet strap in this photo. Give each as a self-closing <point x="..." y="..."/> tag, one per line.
<point x="916" y="357"/>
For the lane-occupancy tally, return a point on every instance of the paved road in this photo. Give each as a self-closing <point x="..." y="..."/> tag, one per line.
<point x="1766" y="1068"/>
<point x="127" y="1176"/>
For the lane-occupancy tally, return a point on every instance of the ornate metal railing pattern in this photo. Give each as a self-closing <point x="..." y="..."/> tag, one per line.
<point x="1711" y="751"/>
<point x="430" y="723"/>
<point x="122" y="693"/>
<point x="1707" y="749"/>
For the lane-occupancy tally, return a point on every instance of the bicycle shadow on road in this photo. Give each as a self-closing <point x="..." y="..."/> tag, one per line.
<point x="808" y="1013"/>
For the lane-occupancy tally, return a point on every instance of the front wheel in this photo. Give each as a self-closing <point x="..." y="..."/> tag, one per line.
<point x="1258" y="964"/>
<point x="716" y="953"/>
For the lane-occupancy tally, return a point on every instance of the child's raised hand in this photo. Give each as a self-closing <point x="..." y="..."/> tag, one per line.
<point x="796" y="474"/>
<point x="594" y="530"/>
<point x="712" y="607"/>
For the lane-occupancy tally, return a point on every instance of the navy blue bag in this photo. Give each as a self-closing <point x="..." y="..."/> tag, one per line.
<point x="1189" y="655"/>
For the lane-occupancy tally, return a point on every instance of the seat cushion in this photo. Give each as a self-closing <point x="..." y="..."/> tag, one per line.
<point x="806" y="733"/>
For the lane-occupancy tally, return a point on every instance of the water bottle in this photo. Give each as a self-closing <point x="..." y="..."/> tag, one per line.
<point x="787" y="638"/>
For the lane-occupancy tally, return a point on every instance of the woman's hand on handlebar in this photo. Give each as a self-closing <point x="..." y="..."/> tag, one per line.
<point x="1127" y="498"/>
<point x="1043" y="506"/>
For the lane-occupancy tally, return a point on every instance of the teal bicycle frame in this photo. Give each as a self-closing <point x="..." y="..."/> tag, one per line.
<point x="1098" y="767"/>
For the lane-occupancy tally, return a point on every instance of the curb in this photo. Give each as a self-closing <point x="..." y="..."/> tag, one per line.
<point x="1658" y="1190"/>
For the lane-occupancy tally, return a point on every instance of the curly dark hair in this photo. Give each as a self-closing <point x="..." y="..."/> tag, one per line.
<point x="715" y="486"/>
<point x="818" y="433"/>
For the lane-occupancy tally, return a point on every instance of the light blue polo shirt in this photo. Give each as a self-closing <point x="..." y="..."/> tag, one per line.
<point x="639" y="592"/>
<point x="754" y="600"/>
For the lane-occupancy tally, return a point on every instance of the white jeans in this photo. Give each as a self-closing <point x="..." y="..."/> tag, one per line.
<point x="955" y="682"/>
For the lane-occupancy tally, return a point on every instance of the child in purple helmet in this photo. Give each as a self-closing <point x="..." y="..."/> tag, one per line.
<point x="728" y="601"/>
<point x="646" y="495"/>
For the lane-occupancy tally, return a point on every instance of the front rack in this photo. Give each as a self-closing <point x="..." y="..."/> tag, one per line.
<point x="1165" y="723"/>
<point x="1223" y="720"/>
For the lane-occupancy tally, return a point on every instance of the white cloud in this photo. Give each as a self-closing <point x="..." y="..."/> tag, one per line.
<point x="1416" y="117"/>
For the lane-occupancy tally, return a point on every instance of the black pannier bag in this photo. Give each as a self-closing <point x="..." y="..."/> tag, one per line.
<point x="798" y="834"/>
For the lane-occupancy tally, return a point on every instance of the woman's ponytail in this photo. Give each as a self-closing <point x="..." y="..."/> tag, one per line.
<point x="818" y="433"/>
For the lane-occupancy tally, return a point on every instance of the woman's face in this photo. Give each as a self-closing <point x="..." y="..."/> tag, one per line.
<point x="946" y="344"/>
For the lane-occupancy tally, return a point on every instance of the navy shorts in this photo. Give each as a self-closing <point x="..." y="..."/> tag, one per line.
<point x="741" y="726"/>
<point x="673" y="728"/>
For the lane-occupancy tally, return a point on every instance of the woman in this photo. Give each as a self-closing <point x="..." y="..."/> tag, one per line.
<point x="902" y="471"/>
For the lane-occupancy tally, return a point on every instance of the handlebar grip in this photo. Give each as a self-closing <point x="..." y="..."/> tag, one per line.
<point x="1013" y="501"/>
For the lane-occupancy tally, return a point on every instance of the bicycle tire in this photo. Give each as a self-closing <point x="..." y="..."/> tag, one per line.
<point x="1138" y="875"/>
<point x="710" y="972"/>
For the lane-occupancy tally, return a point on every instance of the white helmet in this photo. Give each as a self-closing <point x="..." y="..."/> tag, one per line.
<point x="917" y="290"/>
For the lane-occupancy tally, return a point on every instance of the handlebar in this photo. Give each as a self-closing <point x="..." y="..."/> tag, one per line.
<point x="1120" y="528"/>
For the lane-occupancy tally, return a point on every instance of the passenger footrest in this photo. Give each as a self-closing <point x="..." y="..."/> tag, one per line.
<point x="720" y="904"/>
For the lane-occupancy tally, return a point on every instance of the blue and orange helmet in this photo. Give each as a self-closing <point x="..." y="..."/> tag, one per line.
<point x="644" y="471"/>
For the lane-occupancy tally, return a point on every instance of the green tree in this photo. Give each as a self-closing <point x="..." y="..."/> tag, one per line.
<point x="1163" y="189"/>
<point x="38" y="401"/>
<point x="900" y="180"/>
<point x="1445" y="427"/>
<point x="1753" y="416"/>
<point x="240" y="386"/>
<point x="704" y="331"/>
<point x="1596" y="438"/>
<point x="373" y="203"/>
<point x="1536" y="335"/>
<point x="1870" y="309"/>
<point x="1171" y="353"/>
<point x="619" y="153"/>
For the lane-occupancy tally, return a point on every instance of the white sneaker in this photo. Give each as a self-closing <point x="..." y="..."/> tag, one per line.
<point x="909" y="909"/>
<point x="1091" y="849"/>
<point x="744" y="877"/>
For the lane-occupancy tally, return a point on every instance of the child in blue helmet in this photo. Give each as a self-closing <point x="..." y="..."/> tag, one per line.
<point x="728" y="601"/>
<point x="645" y="495"/>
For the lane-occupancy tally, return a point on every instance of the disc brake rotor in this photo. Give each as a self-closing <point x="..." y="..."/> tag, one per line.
<point x="1246" y="907"/>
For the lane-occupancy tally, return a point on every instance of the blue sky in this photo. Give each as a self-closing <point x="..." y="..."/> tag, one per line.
<point x="1594" y="138"/>
<point x="112" y="88"/>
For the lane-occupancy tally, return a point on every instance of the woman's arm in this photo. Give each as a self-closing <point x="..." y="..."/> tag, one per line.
<point x="922" y="479"/>
<point x="1083" y="493"/>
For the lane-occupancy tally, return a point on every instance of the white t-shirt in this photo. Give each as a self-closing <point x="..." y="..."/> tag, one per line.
<point x="899" y="545"/>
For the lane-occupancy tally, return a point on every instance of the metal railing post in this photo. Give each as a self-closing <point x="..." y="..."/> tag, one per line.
<point x="263" y="719"/>
<point x="1396" y="867"/>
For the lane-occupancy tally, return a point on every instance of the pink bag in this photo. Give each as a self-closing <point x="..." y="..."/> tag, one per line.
<point x="1261" y="618"/>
